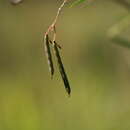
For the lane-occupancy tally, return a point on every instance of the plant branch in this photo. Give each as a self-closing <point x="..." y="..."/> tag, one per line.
<point x="47" y="41"/>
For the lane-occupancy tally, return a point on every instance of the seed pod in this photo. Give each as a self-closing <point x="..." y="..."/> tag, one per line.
<point x="61" y="69"/>
<point x="48" y="54"/>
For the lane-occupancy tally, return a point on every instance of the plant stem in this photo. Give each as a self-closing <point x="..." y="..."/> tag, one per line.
<point x="52" y="27"/>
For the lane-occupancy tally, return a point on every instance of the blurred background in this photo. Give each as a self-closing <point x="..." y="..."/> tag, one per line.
<point x="95" y="40"/>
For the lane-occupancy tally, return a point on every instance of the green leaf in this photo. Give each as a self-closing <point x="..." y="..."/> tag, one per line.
<point x="77" y="2"/>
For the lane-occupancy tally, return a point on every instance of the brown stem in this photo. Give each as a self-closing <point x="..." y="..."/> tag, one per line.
<point x="52" y="27"/>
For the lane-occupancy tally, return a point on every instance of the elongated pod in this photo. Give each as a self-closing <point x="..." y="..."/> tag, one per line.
<point x="48" y="54"/>
<point x="61" y="69"/>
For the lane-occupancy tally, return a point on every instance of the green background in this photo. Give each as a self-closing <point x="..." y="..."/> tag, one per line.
<point x="98" y="69"/>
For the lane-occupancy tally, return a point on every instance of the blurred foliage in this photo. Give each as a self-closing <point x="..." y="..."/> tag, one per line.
<point x="99" y="71"/>
<point x="76" y="2"/>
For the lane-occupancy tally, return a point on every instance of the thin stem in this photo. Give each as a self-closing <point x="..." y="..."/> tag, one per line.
<point x="59" y="11"/>
<point x="52" y="27"/>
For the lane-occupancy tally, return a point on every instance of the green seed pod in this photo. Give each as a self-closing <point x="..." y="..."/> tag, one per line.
<point x="48" y="54"/>
<point x="61" y="69"/>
